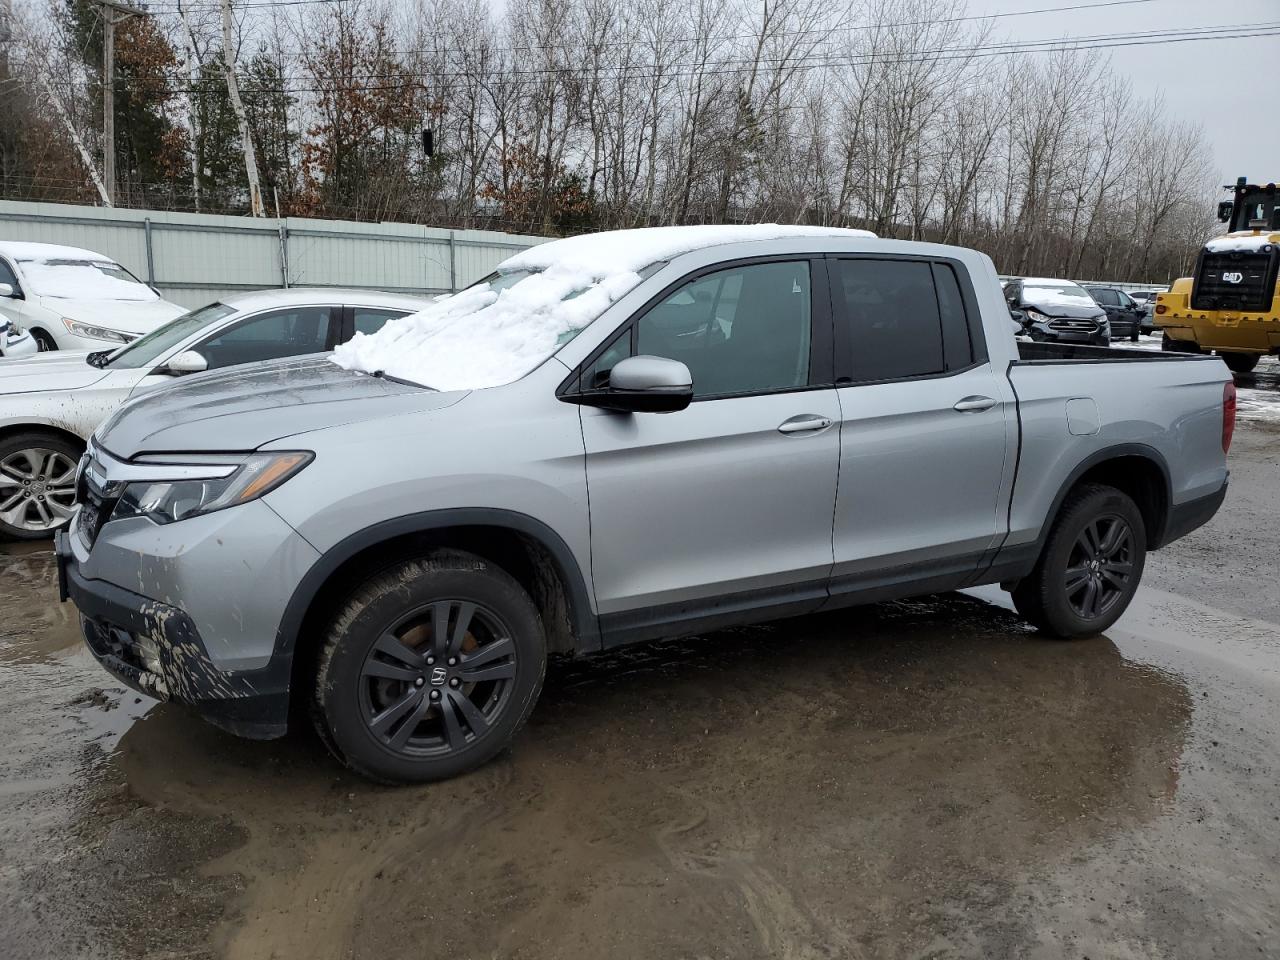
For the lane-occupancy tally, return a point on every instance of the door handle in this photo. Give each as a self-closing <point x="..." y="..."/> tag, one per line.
<point x="805" y="423"/>
<point x="974" y="404"/>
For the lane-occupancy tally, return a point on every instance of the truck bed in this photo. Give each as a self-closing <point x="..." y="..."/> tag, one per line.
<point x="1033" y="351"/>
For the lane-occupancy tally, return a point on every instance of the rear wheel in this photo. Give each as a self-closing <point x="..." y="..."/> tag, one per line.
<point x="429" y="670"/>
<point x="1090" y="566"/>
<point x="37" y="484"/>
<point x="1240" y="362"/>
<point x="1134" y="336"/>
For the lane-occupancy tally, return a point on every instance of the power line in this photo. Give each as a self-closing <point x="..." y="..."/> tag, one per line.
<point x="808" y="62"/>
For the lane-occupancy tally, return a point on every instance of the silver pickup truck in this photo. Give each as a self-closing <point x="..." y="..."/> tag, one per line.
<point x="613" y="439"/>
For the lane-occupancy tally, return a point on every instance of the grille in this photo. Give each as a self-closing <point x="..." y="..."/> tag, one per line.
<point x="1081" y="325"/>
<point x="1235" y="281"/>
<point x="95" y="503"/>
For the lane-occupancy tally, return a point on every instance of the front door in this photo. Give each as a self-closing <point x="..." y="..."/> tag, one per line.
<point x="928" y="427"/>
<point x="725" y="507"/>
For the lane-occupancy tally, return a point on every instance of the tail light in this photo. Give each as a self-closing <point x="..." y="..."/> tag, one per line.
<point x="1161" y="308"/>
<point x="1228" y="414"/>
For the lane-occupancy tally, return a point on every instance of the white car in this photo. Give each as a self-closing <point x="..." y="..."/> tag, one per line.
<point x="50" y="404"/>
<point x="73" y="299"/>
<point x="14" y="343"/>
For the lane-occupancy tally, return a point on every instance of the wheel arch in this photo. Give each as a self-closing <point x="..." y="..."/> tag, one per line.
<point x="523" y="546"/>
<point x="8" y="430"/>
<point x="1136" y="469"/>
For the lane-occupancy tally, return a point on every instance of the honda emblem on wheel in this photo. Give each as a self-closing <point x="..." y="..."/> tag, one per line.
<point x="438" y="676"/>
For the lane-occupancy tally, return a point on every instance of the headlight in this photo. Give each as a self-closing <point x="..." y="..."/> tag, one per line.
<point x="1034" y="315"/>
<point x="166" y="501"/>
<point x="76" y="328"/>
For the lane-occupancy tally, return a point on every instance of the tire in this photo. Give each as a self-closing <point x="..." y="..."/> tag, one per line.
<point x="44" y="342"/>
<point x="1134" y="336"/>
<point x="32" y="505"/>
<point x="1240" y="362"/>
<point x="1178" y="346"/>
<point x="378" y="717"/>
<point x="1057" y="600"/>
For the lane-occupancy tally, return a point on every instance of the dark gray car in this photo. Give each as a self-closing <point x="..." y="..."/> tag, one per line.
<point x="1123" y="312"/>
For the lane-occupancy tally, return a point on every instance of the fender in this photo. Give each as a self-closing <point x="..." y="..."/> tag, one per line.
<point x="581" y="611"/>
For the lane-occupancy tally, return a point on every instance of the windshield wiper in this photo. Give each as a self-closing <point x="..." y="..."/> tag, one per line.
<point x="98" y="358"/>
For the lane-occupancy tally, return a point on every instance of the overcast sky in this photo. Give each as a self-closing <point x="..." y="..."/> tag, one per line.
<point x="1208" y="81"/>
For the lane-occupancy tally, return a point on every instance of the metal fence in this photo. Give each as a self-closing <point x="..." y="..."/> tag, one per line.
<point x="193" y="258"/>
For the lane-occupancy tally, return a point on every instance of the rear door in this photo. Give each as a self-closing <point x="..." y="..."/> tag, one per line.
<point x="928" y="427"/>
<point x="273" y="335"/>
<point x="726" y="506"/>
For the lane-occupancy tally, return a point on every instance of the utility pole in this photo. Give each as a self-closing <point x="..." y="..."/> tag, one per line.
<point x="113" y="12"/>
<point x="233" y="92"/>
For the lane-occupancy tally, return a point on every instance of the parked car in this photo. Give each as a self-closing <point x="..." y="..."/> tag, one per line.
<point x="1146" y="299"/>
<point x="1057" y="311"/>
<point x="73" y="299"/>
<point x="14" y="343"/>
<point x="51" y="403"/>
<point x="639" y="436"/>
<point x="1123" y="313"/>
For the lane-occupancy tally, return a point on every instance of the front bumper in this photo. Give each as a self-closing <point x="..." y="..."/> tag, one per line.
<point x="155" y="648"/>
<point x="1047" y="334"/>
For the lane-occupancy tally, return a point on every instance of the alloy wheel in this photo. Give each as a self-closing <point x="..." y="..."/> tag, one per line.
<point x="1099" y="567"/>
<point x="37" y="489"/>
<point x="437" y="679"/>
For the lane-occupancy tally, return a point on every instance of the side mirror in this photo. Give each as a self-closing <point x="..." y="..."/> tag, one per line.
<point x="1225" y="209"/>
<point x="189" y="361"/>
<point x="643" y="385"/>
<point x="6" y="290"/>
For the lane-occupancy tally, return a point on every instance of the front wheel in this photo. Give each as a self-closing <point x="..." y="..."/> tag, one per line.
<point x="1090" y="566"/>
<point x="1240" y="362"/>
<point x="1134" y="336"/>
<point x="37" y="484"/>
<point x="44" y="342"/>
<point x="429" y="669"/>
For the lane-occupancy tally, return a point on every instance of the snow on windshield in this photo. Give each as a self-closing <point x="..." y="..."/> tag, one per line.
<point x="485" y="337"/>
<point x="83" y="280"/>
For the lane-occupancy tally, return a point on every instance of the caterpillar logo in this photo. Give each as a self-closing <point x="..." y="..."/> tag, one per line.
<point x="1233" y="276"/>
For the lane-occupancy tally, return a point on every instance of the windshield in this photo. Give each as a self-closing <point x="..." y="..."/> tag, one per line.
<point x="494" y="331"/>
<point x="146" y="349"/>
<point x="72" y="279"/>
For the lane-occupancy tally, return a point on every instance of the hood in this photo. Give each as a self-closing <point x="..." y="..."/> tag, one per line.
<point x="56" y="370"/>
<point x="242" y="408"/>
<point x="1057" y="306"/>
<point x="130" y="316"/>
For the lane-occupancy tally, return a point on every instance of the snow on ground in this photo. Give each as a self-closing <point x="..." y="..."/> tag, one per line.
<point x="1246" y="242"/>
<point x="495" y="333"/>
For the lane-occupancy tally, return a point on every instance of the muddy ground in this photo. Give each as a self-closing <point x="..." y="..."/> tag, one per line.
<point x="922" y="779"/>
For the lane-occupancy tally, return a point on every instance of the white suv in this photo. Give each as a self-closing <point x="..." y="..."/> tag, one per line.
<point x="73" y="299"/>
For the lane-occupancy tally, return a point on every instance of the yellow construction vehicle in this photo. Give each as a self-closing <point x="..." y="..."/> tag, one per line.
<point x="1232" y="304"/>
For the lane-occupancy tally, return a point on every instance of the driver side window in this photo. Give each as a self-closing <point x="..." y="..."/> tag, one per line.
<point x="290" y="332"/>
<point x="741" y="330"/>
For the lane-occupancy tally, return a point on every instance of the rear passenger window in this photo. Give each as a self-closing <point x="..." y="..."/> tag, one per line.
<point x="891" y="313"/>
<point x="957" y="348"/>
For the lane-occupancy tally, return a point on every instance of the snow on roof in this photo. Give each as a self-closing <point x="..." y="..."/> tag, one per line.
<point x="630" y="250"/>
<point x="1246" y="242"/>
<point x="494" y="333"/>
<point x="47" y="251"/>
